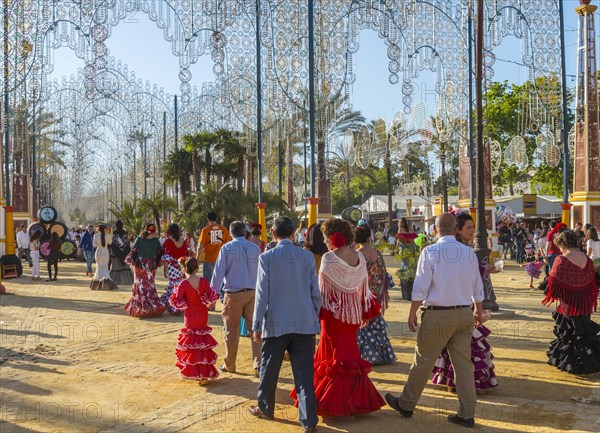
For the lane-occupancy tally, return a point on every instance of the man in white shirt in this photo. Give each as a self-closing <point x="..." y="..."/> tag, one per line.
<point x="447" y="284"/>
<point x="23" y="244"/>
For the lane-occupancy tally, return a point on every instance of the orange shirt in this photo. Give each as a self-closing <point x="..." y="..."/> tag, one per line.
<point x="212" y="238"/>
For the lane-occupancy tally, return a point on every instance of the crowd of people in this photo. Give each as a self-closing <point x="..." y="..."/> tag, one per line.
<point x="329" y="281"/>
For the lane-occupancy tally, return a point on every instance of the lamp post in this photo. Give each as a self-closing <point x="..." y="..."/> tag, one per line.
<point x="481" y="237"/>
<point x="142" y="139"/>
<point x="6" y="118"/>
<point x="260" y="205"/>
<point x="121" y="169"/>
<point x="481" y="248"/>
<point x="164" y="159"/>
<point x="312" y="201"/>
<point x="566" y="206"/>
<point x="470" y="111"/>
<point x="145" y="167"/>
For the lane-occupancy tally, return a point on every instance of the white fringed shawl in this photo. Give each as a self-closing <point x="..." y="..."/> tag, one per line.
<point x="344" y="288"/>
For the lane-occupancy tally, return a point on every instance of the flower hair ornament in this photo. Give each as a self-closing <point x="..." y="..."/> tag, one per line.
<point x="151" y="229"/>
<point x="257" y="225"/>
<point x="338" y="240"/>
<point x="458" y="211"/>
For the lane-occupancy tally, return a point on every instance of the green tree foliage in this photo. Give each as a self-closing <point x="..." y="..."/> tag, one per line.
<point x="231" y="205"/>
<point x="133" y="216"/>
<point x="78" y="216"/>
<point x="200" y="142"/>
<point x="372" y="181"/>
<point x="507" y="114"/>
<point x="177" y="168"/>
<point x="156" y="205"/>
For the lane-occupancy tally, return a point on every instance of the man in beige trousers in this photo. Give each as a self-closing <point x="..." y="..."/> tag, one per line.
<point x="235" y="273"/>
<point x="446" y="286"/>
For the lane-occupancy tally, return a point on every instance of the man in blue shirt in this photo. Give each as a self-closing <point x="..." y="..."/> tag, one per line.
<point x="286" y="317"/>
<point x="87" y="246"/>
<point x="235" y="274"/>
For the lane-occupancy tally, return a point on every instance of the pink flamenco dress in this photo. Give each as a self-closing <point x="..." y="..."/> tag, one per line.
<point x="481" y="356"/>
<point x="195" y="355"/>
<point x="144" y="301"/>
<point x="342" y="384"/>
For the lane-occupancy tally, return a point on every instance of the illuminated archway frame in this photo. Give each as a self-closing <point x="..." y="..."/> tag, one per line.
<point x="179" y="16"/>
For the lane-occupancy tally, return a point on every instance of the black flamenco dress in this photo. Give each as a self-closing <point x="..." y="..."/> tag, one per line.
<point x="576" y="348"/>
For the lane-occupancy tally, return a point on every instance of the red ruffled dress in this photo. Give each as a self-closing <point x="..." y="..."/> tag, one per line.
<point x="195" y="355"/>
<point x="342" y="384"/>
<point x="170" y="258"/>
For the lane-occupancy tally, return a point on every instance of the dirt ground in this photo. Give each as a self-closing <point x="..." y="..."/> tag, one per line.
<point x="72" y="360"/>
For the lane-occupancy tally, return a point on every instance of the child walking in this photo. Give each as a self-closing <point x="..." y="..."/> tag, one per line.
<point x="195" y="355"/>
<point x="534" y="269"/>
<point x="34" y="247"/>
<point x="53" y="255"/>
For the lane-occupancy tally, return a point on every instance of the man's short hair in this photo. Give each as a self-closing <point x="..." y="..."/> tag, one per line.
<point x="237" y="229"/>
<point x="445" y="224"/>
<point x="283" y="227"/>
<point x="211" y="216"/>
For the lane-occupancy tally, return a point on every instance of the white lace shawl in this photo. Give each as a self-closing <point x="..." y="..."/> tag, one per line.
<point x="344" y="288"/>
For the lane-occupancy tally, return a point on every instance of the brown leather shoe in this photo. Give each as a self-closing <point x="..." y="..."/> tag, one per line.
<point x="255" y="411"/>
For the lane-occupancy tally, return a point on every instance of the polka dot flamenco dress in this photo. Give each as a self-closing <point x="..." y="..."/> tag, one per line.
<point x="373" y="342"/>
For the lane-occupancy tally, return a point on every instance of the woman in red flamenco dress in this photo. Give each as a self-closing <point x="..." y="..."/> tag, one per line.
<point x="342" y="384"/>
<point x="173" y="249"/>
<point x="195" y="355"/>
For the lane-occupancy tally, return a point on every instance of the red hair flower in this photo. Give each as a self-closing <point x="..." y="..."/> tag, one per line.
<point x="338" y="240"/>
<point x="151" y="229"/>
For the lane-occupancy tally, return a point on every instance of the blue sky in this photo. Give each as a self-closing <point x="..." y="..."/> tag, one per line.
<point x="140" y="44"/>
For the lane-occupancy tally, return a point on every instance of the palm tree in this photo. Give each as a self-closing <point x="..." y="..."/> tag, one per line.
<point x="156" y="205"/>
<point x="334" y="118"/>
<point x="133" y="216"/>
<point x="195" y="143"/>
<point x="388" y="137"/>
<point x="234" y="205"/>
<point x="177" y="168"/>
<point x="142" y="139"/>
<point x="234" y="154"/>
<point x="189" y="221"/>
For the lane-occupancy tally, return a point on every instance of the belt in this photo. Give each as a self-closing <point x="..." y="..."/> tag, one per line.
<point x="239" y="291"/>
<point x="454" y="307"/>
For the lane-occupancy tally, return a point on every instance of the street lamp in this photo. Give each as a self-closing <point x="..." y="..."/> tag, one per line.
<point x="142" y="139"/>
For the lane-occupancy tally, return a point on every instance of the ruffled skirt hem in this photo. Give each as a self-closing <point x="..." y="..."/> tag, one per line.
<point x="105" y="284"/>
<point x="576" y="349"/>
<point x="374" y="345"/>
<point x="138" y="309"/>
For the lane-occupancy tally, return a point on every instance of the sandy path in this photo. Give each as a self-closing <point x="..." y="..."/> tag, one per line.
<point x="73" y="361"/>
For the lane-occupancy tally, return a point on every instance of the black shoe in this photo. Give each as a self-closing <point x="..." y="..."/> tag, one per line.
<point x="455" y="419"/>
<point x="393" y="403"/>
